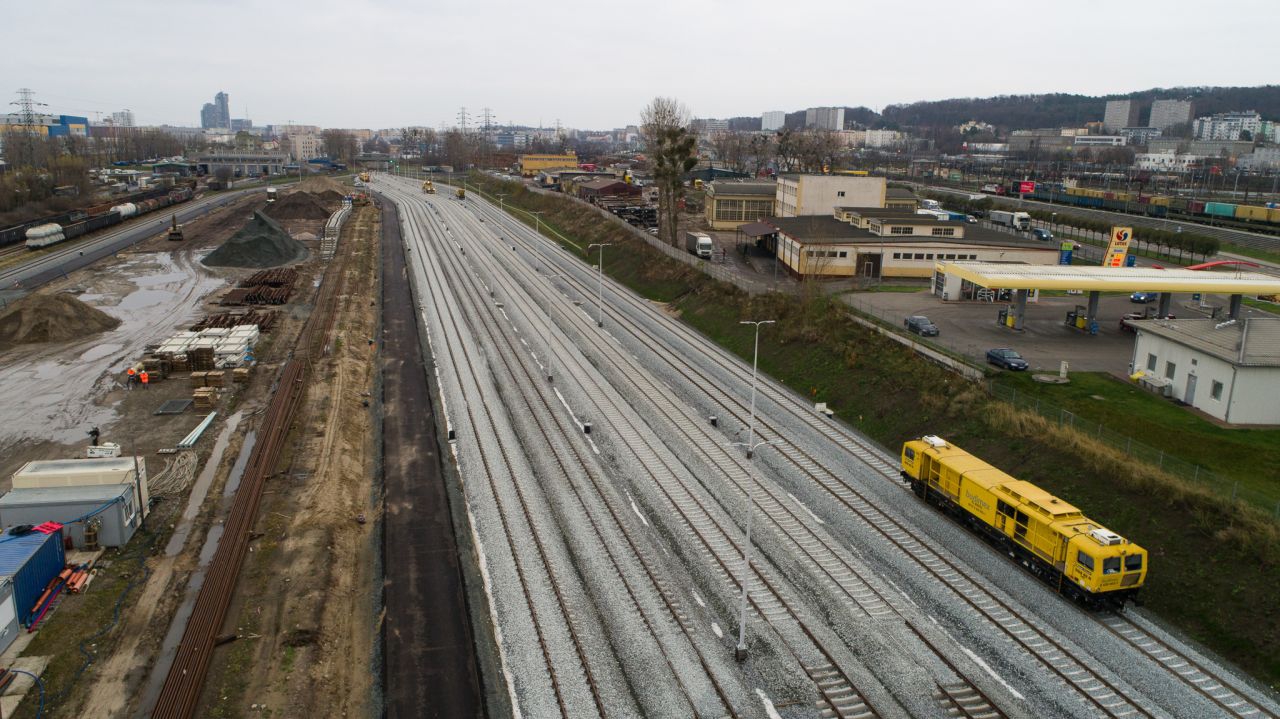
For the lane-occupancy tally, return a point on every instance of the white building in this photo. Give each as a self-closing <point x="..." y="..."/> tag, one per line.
<point x="824" y="118"/>
<point x="799" y="195"/>
<point x="1120" y="113"/>
<point x="304" y="147"/>
<point x="773" y="120"/>
<point x="1263" y="158"/>
<point x="1167" y="113"/>
<point x="1166" y="161"/>
<point x="1140" y="135"/>
<point x="1228" y="126"/>
<point x="1099" y="141"/>
<point x="1228" y="370"/>
<point x="124" y="118"/>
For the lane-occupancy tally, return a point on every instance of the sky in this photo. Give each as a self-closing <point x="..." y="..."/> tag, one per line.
<point x="594" y="65"/>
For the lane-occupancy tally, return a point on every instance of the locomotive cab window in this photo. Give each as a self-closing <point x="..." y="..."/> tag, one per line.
<point x="1084" y="560"/>
<point x="1111" y="565"/>
<point x="1133" y="563"/>
<point x="909" y="452"/>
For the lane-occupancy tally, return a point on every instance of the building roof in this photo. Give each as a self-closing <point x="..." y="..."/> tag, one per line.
<point x="100" y="493"/>
<point x="823" y="230"/>
<point x="16" y="550"/>
<point x="1253" y="342"/>
<point x="900" y="193"/>
<point x="757" y="229"/>
<point x="603" y="183"/>
<point x="743" y="187"/>
<point x="79" y="466"/>
<point x="878" y="211"/>
<point x="1112" y="279"/>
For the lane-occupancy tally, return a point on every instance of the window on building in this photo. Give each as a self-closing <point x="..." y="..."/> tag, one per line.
<point x="897" y="255"/>
<point x="901" y="230"/>
<point x="944" y="231"/>
<point x="844" y="253"/>
<point x="840" y="193"/>
<point x="929" y="256"/>
<point x="1151" y="363"/>
<point x="1215" y="390"/>
<point x="919" y="255"/>
<point x="1170" y="369"/>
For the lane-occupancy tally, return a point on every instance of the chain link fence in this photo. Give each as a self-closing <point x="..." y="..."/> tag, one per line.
<point x="1222" y="486"/>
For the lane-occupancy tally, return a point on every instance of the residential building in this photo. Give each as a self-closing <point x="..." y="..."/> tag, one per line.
<point x="1168" y="113"/>
<point x="292" y="129"/>
<point x="773" y="120"/>
<point x="820" y="194"/>
<point x="1098" y="141"/>
<point x="1140" y="135"/>
<point x="906" y="245"/>
<point x="124" y="118"/>
<point x="706" y="127"/>
<point x="240" y="124"/>
<point x="1262" y="158"/>
<point x="1120" y="113"/>
<point x="1228" y="370"/>
<point x="305" y="147"/>
<point x="733" y="203"/>
<point x="824" y="118"/>
<point x="1040" y="141"/>
<point x="1229" y="126"/>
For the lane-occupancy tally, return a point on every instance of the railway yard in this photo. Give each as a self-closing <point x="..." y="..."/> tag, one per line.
<point x="465" y="474"/>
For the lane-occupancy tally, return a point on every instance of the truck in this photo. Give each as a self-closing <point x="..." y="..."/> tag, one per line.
<point x="1017" y="220"/>
<point x="699" y="243"/>
<point x="271" y="194"/>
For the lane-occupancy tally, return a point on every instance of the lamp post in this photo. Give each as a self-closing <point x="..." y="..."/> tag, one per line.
<point x="740" y="652"/>
<point x="600" y="280"/>
<point x="537" y="218"/>
<point x="1053" y="220"/>
<point x="501" y="204"/>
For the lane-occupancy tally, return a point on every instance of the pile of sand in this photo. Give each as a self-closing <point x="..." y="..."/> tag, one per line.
<point x="260" y="243"/>
<point x="331" y="199"/>
<point x="51" y="318"/>
<point x="298" y="206"/>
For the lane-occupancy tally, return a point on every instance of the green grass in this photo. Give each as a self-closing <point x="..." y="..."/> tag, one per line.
<point x="1215" y="564"/>
<point x="1251" y="252"/>
<point x="1247" y="456"/>
<point x="1263" y="305"/>
<point x="895" y="288"/>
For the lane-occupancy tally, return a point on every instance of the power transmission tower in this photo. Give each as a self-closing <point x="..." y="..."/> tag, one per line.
<point x="462" y="119"/>
<point x="488" y="116"/>
<point x="27" y="105"/>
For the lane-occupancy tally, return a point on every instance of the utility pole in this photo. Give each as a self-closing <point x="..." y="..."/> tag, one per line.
<point x="27" y="113"/>
<point x="600" y="280"/>
<point x="462" y="119"/>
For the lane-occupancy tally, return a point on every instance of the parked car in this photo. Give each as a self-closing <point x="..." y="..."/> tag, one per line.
<point x="652" y="230"/>
<point x="921" y="325"/>
<point x="1144" y="297"/>
<point x="1041" y="234"/>
<point x="971" y="219"/>
<point x="1006" y="358"/>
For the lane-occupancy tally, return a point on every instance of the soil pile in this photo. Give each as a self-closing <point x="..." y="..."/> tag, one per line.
<point x="298" y="206"/>
<point x="260" y="243"/>
<point x="331" y="199"/>
<point x="51" y="318"/>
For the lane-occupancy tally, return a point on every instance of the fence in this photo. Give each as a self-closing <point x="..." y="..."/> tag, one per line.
<point x="1194" y="473"/>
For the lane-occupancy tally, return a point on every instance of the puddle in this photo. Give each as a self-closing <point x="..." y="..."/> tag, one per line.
<point x="200" y="489"/>
<point x="143" y="299"/>
<point x="237" y="469"/>
<point x="99" y="352"/>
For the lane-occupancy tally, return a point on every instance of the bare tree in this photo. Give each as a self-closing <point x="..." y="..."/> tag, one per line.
<point x="664" y="125"/>
<point x="732" y="148"/>
<point x="339" y="145"/>
<point x="761" y="151"/>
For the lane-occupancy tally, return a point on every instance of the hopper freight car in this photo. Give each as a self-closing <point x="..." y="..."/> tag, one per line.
<point x="1075" y="555"/>
<point x="18" y="233"/>
<point x="77" y="224"/>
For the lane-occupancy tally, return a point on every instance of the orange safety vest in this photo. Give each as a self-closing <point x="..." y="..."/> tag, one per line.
<point x="132" y="372"/>
<point x="143" y="377"/>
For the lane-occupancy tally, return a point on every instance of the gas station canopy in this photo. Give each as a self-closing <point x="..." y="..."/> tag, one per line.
<point x="1111" y="279"/>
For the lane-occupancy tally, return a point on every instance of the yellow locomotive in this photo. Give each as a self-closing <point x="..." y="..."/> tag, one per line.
<point x="429" y="188"/>
<point x="1076" y="555"/>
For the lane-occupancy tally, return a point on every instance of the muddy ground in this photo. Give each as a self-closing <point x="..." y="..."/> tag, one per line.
<point x="320" y="577"/>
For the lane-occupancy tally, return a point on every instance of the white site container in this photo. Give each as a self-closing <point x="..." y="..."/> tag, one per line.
<point x="215" y="332"/>
<point x="81" y="472"/>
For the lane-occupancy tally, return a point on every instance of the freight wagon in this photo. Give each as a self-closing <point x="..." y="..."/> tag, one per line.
<point x="18" y="233"/>
<point x="1077" y="556"/>
<point x="78" y="223"/>
<point x="1162" y="206"/>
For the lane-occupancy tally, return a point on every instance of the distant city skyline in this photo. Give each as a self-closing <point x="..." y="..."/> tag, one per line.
<point x="385" y="72"/>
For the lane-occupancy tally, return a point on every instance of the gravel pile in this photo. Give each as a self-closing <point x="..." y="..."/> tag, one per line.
<point x="51" y="318"/>
<point x="299" y="206"/>
<point x="260" y="243"/>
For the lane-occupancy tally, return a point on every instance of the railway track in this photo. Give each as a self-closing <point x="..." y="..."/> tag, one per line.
<point x="1051" y="653"/>
<point x="838" y="570"/>
<point x="184" y="682"/>
<point x="588" y="489"/>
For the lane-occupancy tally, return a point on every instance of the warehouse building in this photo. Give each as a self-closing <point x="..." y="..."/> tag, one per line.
<point x="96" y="515"/>
<point x="531" y="165"/>
<point x="904" y="246"/>
<point x="244" y="164"/>
<point x="733" y="203"/>
<point x="900" y="198"/>
<point x="800" y="195"/>
<point x="1228" y="370"/>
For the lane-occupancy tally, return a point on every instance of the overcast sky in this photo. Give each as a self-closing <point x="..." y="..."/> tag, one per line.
<point x="389" y="63"/>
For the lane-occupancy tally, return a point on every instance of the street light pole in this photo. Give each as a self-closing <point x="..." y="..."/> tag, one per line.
<point x="600" y="280"/>
<point x="740" y="652"/>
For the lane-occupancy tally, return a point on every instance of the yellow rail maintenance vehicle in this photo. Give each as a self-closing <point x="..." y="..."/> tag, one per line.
<point x="462" y="194"/>
<point x="428" y="188"/>
<point x="1077" y="556"/>
<point x="364" y="177"/>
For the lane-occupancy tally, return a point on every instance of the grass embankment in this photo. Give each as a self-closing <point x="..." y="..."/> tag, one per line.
<point x="1215" y="564"/>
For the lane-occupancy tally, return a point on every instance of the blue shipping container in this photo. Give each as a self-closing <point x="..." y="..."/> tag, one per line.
<point x="1220" y="209"/>
<point x="31" y="560"/>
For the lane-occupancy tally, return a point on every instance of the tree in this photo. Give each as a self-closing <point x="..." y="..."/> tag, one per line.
<point x="732" y="148"/>
<point x="339" y="145"/>
<point x="664" y="125"/>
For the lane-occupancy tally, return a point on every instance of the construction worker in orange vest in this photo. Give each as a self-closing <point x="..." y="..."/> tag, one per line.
<point x="145" y="378"/>
<point x="133" y="377"/>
